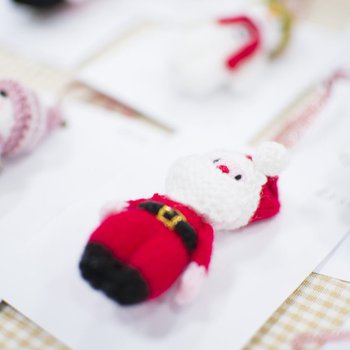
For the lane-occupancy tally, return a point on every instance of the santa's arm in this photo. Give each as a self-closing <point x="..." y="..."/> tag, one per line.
<point x="202" y="254"/>
<point x="112" y="208"/>
<point x="192" y="279"/>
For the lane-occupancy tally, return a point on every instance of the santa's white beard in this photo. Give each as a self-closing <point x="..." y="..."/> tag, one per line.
<point x="225" y="203"/>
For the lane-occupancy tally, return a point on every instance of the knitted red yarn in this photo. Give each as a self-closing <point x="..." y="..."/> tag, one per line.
<point x="138" y="239"/>
<point x="250" y="48"/>
<point x="269" y="204"/>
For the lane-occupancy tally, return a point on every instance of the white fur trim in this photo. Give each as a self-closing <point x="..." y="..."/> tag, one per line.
<point x="112" y="208"/>
<point x="271" y="158"/>
<point x="224" y="201"/>
<point x="190" y="284"/>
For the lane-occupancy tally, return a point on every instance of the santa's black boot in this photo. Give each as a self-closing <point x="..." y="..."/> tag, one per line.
<point x="118" y="281"/>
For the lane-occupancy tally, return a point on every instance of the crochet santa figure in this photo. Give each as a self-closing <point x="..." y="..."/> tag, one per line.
<point x="230" y="52"/>
<point x="143" y="246"/>
<point x="24" y="122"/>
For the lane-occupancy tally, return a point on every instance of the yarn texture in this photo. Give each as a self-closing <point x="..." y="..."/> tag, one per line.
<point x="142" y="247"/>
<point x="24" y="122"/>
<point x="229" y="52"/>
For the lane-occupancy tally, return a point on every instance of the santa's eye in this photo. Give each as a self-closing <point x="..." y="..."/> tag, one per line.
<point x="3" y="93"/>
<point x="216" y="160"/>
<point x="238" y="177"/>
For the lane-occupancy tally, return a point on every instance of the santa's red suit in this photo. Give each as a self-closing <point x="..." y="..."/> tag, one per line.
<point x="142" y="253"/>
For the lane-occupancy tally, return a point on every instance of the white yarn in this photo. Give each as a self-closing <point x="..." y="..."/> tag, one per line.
<point x="225" y="202"/>
<point x="7" y="119"/>
<point x="26" y="104"/>
<point x="269" y="25"/>
<point x="199" y="60"/>
<point x="271" y="158"/>
<point x="243" y="80"/>
<point x="190" y="284"/>
<point x="37" y="126"/>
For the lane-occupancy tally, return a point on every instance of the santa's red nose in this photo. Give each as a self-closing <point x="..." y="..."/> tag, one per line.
<point x="224" y="169"/>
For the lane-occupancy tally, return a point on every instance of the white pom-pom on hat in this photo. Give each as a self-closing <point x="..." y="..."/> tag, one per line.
<point x="270" y="158"/>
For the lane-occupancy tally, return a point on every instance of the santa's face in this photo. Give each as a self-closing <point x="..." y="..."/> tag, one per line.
<point x="7" y="119"/>
<point x="224" y="187"/>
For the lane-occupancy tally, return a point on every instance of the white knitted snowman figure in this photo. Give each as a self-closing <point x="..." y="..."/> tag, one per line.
<point x="230" y="52"/>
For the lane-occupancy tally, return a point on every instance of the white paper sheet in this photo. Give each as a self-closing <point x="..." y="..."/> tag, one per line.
<point x="67" y="36"/>
<point x="252" y="272"/>
<point x="337" y="264"/>
<point x="138" y="74"/>
<point x="336" y="188"/>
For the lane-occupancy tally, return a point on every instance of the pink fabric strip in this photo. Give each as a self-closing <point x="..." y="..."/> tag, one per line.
<point x="320" y="339"/>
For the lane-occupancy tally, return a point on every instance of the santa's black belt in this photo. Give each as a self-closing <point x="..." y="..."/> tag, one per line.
<point x="174" y="220"/>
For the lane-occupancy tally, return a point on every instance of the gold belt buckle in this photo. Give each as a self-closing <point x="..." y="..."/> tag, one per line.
<point x="170" y="223"/>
